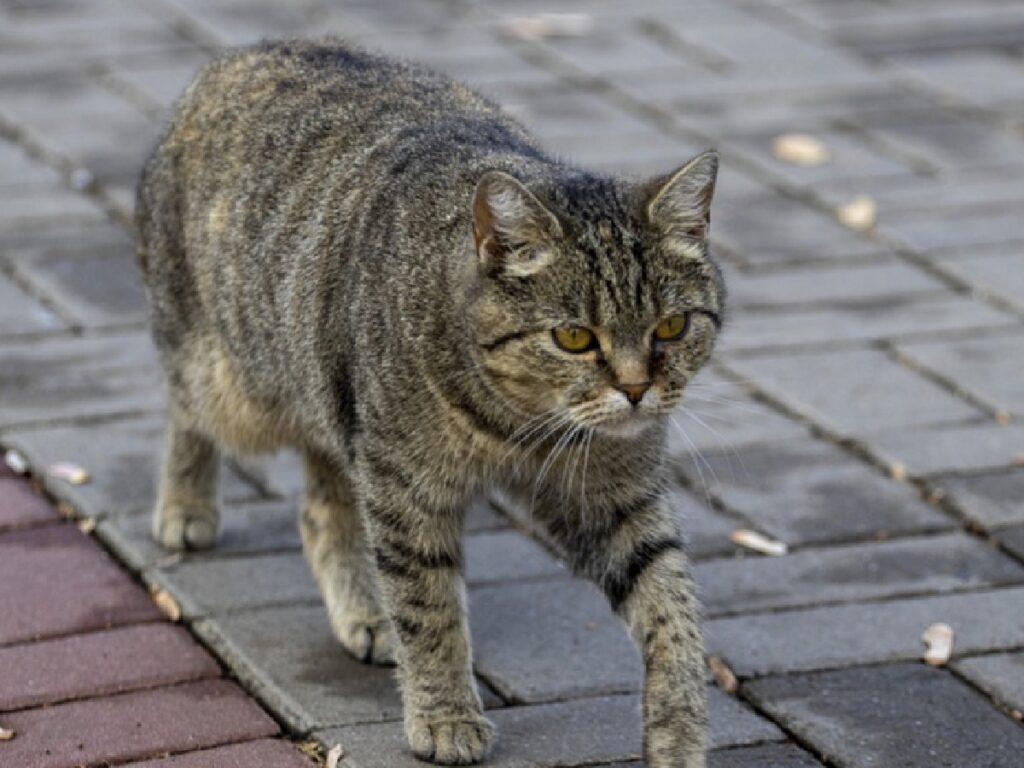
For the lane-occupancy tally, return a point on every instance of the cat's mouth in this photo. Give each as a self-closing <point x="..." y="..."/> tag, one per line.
<point x="626" y="424"/>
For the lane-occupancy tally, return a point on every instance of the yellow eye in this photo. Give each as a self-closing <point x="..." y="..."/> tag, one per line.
<point x="672" y="328"/>
<point x="574" y="338"/>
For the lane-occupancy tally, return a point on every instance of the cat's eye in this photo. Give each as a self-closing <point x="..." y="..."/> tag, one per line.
<point x="574" y="338"/>
<point x="672" y="328"/>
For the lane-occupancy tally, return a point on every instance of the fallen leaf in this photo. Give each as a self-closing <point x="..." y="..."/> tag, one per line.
<point x="6" y="734"/>
<point x="545" y="26"/>
<point x="166" y="603"/>
<point x="312" y="749"/>
<point x="16" y="462"/>
<point x="71" y="473"/>
<point x="898" y="471"/>
<point x="859" y="214"/>
<point x="1017" y="715"/>
<point x="723" y="675"/>
<point x="67" y="509"/>
<point x="334" y="755"/>
<point x="1003" y="417"/>
<point x="939" y="638"/>
<point x="758" y="542"/>
<point x="87" y="525"/>
<point x="801" y="149"/>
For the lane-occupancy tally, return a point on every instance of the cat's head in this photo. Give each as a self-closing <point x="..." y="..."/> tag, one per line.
<point x="595" y="299"/>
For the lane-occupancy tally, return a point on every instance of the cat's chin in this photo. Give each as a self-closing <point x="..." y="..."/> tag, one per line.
<point x="626" y="427"/>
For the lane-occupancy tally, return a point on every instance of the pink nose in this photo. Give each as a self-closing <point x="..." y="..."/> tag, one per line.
<point x="634" y="392"/>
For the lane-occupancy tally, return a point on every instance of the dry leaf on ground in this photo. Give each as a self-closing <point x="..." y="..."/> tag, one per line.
<point x="71" y="473"/>
<point x="898" y="471"/>
<point x="939" y="638"/>
<point x="758" y="542"/>
<point x="6" y="734"/>
<point x="166" y="603"/>
<point x="801" y="149"/>
<point x="334" y="755"/>
<point x="861" y="213"/>
<point x="87" y="525"/>
<point x="723" y="675"/>
<point x="545" y="26"/>
<point x="15" y="462"/>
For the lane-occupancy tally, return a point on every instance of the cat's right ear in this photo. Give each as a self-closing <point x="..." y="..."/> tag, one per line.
<point x="512" y="229"/>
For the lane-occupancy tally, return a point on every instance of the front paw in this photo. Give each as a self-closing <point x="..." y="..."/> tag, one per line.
<point x="372" y="641"/>
<point x="177" y="527"/>
<point x="454" y="739"/>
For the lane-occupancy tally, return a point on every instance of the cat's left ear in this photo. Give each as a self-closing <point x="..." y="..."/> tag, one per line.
<point x="680" y="203"/>
<point x="512" y="229"/>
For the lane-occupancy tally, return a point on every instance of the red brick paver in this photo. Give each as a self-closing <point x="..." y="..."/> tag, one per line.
<point x="56" y="582"/>
<point x="21" y="507"/>
<point x="133" y="725"/>
<point x="267" y="753"/>
<point x="100" y="663"/>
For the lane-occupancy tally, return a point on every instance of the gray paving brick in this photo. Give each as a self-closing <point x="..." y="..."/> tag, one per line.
<point x="35" y="206"/>
<point x="856" y="391"/>
<point x="978" y="78"/>
<point x="928" y="565"/>
<point x="18" y="170"/>
<point x="610" y="46"/>
<point x="900" y="714"/>
<point x="705" y="531"/>
<point x="583" y="732"/>
<point x="878" y="283"/>
<point x="122" y="458"/>
<point x="774" y="755"/>
<point x="992" y="499"/>
<point x="20" y="313"/>
<point x="953" y="231"/>
<point x="951" y="449"/>
<point x="809" y="491"/>
<point x="1000" y="675"/>
<point x="994" y="273"/>
<point x="543" y="641"/>
<point x="1013" y="539"/>
<point x="161" y="77"/>
<point x="65" y="378"/>
<point x="753" y="331"/>
<point x="847" y="635"/>
<point x="636" y="154"/>
<point x="987" y="368"/>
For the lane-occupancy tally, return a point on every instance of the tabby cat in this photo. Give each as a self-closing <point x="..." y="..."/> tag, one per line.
<point x="371" y="263"/>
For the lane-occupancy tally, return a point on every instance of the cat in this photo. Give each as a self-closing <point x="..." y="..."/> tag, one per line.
<point x="369" y="262"/>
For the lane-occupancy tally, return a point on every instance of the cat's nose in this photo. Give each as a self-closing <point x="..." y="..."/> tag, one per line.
<point x="634" y="392"/>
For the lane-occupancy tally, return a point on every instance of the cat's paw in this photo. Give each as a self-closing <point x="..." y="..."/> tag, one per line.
<point x="185" y="528"/>
<point x="450" y="740"/>
<point x="370" y="641"/>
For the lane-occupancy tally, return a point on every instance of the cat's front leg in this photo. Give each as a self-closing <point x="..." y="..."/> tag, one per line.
<point x="418" y="551"/>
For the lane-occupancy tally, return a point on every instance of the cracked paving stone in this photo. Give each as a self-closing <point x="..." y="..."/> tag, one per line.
<point x="898" y="714"/>
<point x="1000" y="675"/>
<point x="809" y="491"/>
<point x="931" y="564"/>
<point x="845" y="635"/>
<point x="585" y="731"/>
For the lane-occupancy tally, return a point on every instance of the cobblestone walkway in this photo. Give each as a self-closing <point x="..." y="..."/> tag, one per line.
<point x="865" y="409"/>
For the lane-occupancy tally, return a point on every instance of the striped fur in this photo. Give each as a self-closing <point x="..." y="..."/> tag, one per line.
<point x="365" y="261"/>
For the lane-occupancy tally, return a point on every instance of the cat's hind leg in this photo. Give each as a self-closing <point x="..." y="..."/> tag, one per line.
<point x="339" y="556"/>
<point x="186" y="515"/>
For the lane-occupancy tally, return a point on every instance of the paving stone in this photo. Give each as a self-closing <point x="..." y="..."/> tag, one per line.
<point x="540" y="641"/>
<point x="100" y="664"/>
<point x="35" y="206"/>
<point x="953" y="231"/>
<point x="773" y="755"/>
<point x="1000" y="675"/>
<point x="60" y="239"/>
<point x="263" y="753"/>
<point x="856" y="391"/>
<point x="883" y="282"/>
<point x="951" y="449"/>
<point x="987" y="368"/>
<point x="898" y="714"/>
<point x="1013" y="539"/>
<point x="992" y="274"/>
<point x="245" y="528"/>
<point x="979" y="78"/>
<point x="846" y="635"/>
<point x="992" y="499"/>
<point x="610" y="46"/>
<point x="65" y="378"/>
<point x="289" y="659"/>
<point x="754" y="331"/>
<point x="19" y="170"/>
<point x="94" y="291"/>
<point x="35" y="567"/>
<point x="122" y="458"/>
<point x="22" y="507"/>
<point x="581" y="732"/>
<point x="207" y="585"/>
<point x="633" y="154"/>
<point x="20" y="313"/>
<point x="161" y="77"/>
<point x="809" y="491"/>
<point x="718" y="414"/>
<point x="927" y="565"/>
<point x="134" y="725"/>
<point x="705" y="531"/>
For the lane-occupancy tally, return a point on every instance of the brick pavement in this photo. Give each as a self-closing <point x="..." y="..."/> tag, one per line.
<point x="865" y="407"/>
